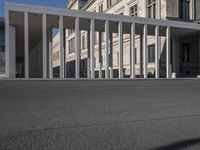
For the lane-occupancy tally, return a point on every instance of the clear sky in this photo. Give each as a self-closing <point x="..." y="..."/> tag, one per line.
<point x="52" y="3"/>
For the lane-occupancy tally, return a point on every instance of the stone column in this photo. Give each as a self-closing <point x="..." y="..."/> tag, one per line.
<point x="145" y="51"/>
<point x="26" y="45"/>
<point x="88" y="53"/>
<point x="168" y="66"/>
<point x="141" y="55"/>
<point x="44" y="45"/>
<point x="92" y="48"/>
<point x="157" y="52"/>
<point x="77" y="48"/>
<point x="111" y="55"/>
<point x="100" y="55"/>
<point x="132" y="62"/>
<point x="10" y="45"/>
<point x="50" y="61"/>
<point x="7" y="43"/>
<point x="199" y="57"/>
<point x="62" y="54"/>
<point x="174" y="55"/>
<point x="106" y="49"/>
<point x="120" y="43"/>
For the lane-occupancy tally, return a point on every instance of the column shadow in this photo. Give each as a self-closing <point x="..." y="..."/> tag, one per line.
<point x="178" y="145"/>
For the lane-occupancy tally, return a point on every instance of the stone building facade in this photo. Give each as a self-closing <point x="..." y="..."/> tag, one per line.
<point x="187" y="48"/>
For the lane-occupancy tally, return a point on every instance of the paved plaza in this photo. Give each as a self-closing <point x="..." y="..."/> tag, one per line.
<point x="100" y="114"/>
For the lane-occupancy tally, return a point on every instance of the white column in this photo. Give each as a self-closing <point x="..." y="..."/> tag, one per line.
<point x="157" y="52"/>
<point x="174" y="55"/>
<point x="193" y="9"/>
<point x="88" y="59"/>
<point x="50" y="61"/>
<point x="44" y="41"/>
<point x="168" y="66"/>
<point x="26" y="45"/>
<point x="11" y="53"/>
<point x="77" y="47"/>
<point x="92" y="48"/>
<point x="132" y="63"/>
<point x="141" y="55"/>
<point x="62" y="56"/>
<point x="145" y="51"/>
<point x="49" y="53"/>
<point x="199" y="57"/>
<point x="7" y="43"/>
<point x="100" y="55"/>
<point x="111" y="55"/>
<point x="120" y="43"/>
<point x="106" y="49"/>
<point x="65" y="47"/>
<point x="177" y="57"/>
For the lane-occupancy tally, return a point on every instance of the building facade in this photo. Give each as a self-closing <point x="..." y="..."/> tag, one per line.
<point x="187" y="51"/>
<point x="104" y="39"/>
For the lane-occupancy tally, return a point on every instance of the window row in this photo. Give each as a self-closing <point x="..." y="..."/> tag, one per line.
<point x="183" y="6"/>
<point x="151" y="53"/>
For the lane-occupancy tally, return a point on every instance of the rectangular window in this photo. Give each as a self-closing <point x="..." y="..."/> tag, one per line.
<point x="133" y="10"/>
<point x="184" y="9"/>
<point x="109" y="3"/>
<point x="151" y="8"/>
<point x="151" y="53"/>
<point x="185" y="53"/>
<point x="70" y="31"/>
<point x="83" y="42"/>
<point x="101" y="8"/>
<point x="71" y="45"/>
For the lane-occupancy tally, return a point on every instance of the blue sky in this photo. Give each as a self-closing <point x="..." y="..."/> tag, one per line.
<point x="52" y="3"/>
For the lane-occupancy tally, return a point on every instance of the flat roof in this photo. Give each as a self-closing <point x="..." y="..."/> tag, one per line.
<point x="99" y="16"/>
<point x="16" y="10"/>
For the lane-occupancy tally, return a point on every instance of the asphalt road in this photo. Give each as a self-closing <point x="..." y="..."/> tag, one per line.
<point x="100" y="115"/>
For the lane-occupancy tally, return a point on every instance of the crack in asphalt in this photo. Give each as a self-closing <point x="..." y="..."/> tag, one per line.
<point x="104" y="124"/>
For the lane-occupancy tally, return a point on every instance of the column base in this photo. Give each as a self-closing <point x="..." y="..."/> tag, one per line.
<point x="3" y="76"/>
<point x="173" y="75"/>
<point x="111" y="73"/>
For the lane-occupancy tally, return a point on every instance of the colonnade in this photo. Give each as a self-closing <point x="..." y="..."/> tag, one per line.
<point x="91" y="49"/>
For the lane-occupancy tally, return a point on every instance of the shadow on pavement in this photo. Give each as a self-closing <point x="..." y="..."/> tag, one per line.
<point x="179" y="145"/>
